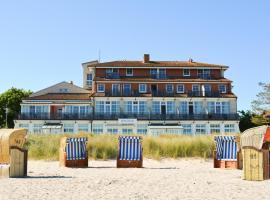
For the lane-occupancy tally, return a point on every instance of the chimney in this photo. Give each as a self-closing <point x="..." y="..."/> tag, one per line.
<point x="146" y="58"/>
<point x="71" y="82"/>
<point x="190" y="60"/>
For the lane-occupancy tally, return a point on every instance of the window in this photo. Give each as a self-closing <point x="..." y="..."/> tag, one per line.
<point x="115" y="107"/>
<point x="68" y="128"/>
<point x="112" y="130"/>
<point x="200" y="129"/>
<point x="186" y="72"/>
<point x="153" y="73"/>
<point x="198" y="107"/>
<point x="158" y="73"/>
<point x="100" y="107"/>
<point x="142" y="107"/>
<point x="128" y="107"/>
<point x="211" y="107"/>
<point x="142" y="88"/>
<point x="187" y="129"/>
<point x="127" y="89"/>
<point x="83" y="128"/>
<point x="222" y="89"/>
<point x="37" y="128"/>
<point x="183" y="107"/>
<point x="170" y="107"/>
<point x="100" y="88"/>
<point x="169" y="88"/>
<point x="127" y="131"/>
<point x="225" y="107"/>
<point x="207" y="89"/>
<point x="214" y="128"/>
<point x="116" y="89"/>
<point x="156" y="107"/>
<point x="129" y="72"/>
<point x="204" y="73"/>
<point x="180" y="88"/>
<point x="97" y="128"/>
<point x="229" y="128"/>
<point x="142" y="129"/>
<point x="63" y="90"/>
<point x="195" y="88"/>
<point x="89" y="79"/>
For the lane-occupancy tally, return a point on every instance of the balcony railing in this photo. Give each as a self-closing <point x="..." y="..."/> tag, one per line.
<point x="203" y="94"/>
<point x="116" y="116"/>
<point x="54" y="116"/>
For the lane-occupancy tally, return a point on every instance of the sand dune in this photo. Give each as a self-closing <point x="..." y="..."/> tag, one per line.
<point x="166" y="179"/>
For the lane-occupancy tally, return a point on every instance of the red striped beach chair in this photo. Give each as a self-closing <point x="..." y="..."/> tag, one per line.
<point x="130" y="152"/>
<point x="73" y="152"/>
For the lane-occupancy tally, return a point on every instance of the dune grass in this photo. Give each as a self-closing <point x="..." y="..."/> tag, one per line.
<point x="105" y="146"/>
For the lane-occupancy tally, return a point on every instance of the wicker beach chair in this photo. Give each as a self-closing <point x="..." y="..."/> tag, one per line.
<point x="225" y="154"/>
<point x="13" y="155"/>
<point x="73" y="152"/>
<point x="130" y="152"/>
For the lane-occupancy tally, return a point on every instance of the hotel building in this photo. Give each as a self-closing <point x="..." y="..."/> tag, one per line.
<point x="143" y="97"/>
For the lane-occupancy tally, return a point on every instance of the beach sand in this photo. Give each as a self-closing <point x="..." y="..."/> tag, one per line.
<point x="165" y="179"/>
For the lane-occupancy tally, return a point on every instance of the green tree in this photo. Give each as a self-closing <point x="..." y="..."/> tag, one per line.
<point x="246" y="120"/>
<point x="11" y="99"/>
<point x="261" y="105"/>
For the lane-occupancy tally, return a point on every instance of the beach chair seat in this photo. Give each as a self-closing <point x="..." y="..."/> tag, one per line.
<point x="73" y="152"/>
<point x="225" y="154"/>
<point x="13" y="155"/>
<point x="130" y="152"/>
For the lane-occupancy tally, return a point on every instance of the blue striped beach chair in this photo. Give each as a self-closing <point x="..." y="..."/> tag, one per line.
<point x="73" y="152"/>
<point x="130" y="152"/>
<point x="225" y="154"/>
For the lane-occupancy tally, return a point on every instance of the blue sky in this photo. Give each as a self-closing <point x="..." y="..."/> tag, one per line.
<point x="45" y="42"/>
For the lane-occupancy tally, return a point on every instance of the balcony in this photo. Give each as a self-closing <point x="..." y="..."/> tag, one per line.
<point x="116" y="116"/>
<point x="203" y="94"/>
<point x="54" y="116"/>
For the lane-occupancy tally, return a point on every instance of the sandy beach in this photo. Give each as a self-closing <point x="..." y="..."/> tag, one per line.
<point x="166" y="179"/>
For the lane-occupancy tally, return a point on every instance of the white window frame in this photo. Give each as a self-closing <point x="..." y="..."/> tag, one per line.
<point x="88" y="81"/>
<point x="186" y="74"/>
<point x="179" y="91"/>
<point x="144" y="91"/>
<point x="225" y="87"/>
<point x="98" y="90"/>
<point x="127" y="74"/>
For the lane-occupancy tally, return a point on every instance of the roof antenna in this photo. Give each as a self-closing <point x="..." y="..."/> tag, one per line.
<point x="99" y="55"/>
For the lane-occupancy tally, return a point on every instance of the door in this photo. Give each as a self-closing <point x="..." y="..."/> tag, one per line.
<point x="154" y="89"/>
<point x="190" y="108"/>
<point x="163" y="110"/>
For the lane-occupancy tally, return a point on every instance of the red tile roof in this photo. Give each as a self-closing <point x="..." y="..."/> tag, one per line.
<point x="61" y="96"/>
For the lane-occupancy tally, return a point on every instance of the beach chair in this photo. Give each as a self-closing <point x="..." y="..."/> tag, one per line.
<point x="225" y="154"/>
<point x="13" y="156"/>
<point x="73" y="152"/>
<point x="130" y="152"/>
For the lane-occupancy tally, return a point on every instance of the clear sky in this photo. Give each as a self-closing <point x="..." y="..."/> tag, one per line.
<point x="45" y="42"/>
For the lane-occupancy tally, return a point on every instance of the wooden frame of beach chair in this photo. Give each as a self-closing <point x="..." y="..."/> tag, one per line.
<point x="225" y="154"/>
<point x="130" y="152"/>
<point x="13" y="157"/>
<point x="73" y="152"/>
<point x="255" y="144"/>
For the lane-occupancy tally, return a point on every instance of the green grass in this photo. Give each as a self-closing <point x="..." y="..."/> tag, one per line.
<point x="104" y="146"/>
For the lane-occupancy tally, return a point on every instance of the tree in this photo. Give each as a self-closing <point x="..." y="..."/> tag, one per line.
<point x="246" y="120"/>
<point x="11" y="99"/>
<point x="261" y="105"/>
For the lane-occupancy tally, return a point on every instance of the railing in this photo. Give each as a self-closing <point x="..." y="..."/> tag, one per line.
<point x="203" y="94"/>
<point x="116" y="116"/>
<point x="54" y="116"/>
<point x="160" y="76"/>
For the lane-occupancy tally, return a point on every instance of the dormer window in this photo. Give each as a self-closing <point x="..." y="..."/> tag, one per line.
<point x="100" y="88"/>
<point x="204" y="73"/>
<point x="63" y="90"/>
<point x="89" y="79"/>
<point x="129" y="72"/>
<point x="186" y="72"/>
